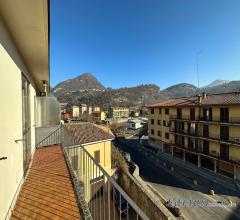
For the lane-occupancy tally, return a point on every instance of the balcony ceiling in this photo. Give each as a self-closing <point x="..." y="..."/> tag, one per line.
<point x="28" y="24"/>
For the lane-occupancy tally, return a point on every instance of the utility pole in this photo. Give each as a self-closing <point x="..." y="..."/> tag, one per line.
<point x="197" y="56"/>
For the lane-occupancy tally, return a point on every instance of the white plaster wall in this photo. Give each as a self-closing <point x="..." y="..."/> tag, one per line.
<point x="11" y="169"/>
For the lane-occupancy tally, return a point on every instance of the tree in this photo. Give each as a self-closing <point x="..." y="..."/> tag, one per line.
<point x="110" y="112"/>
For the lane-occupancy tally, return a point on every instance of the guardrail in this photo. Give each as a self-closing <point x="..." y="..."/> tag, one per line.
<point x="105" y="199"/>
<point x="51" y="139"/>
<point x="100" y="193"/>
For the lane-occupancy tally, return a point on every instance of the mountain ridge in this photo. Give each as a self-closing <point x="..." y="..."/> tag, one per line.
<point x="87" y="89"/>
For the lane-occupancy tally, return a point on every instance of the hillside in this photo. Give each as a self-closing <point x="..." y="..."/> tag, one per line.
<point x="179" y="90"/>
<point x="81" y="83"/>
<point x="87" y="89"/>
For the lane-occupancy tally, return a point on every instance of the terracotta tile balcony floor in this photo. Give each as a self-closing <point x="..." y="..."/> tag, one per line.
<point x="47" y="192"/>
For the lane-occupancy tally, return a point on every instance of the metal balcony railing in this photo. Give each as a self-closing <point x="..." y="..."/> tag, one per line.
<point x="234" y="140"/>
<point x="235" y="120"/>
<point x="103" y="197"/>
<point x="219" y="119"/>
<point x="185" y="132"/>
<point x="99" y="194"/>
<point x="183" y="117"/>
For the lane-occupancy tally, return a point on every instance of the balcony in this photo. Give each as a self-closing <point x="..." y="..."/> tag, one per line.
<point x="57" y="186"/>
<point x="184" y="132"/>
<point x="207" y="119"/>
<point x="222" y="120"/>
<point x="221" y="139"/>
<point x="183" y="118"/>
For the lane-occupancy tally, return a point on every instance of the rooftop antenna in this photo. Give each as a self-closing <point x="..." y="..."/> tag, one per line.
<point x="197" y="56"/>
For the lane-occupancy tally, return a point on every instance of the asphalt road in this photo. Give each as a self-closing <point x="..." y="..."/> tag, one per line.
<point x="197" y="204"/>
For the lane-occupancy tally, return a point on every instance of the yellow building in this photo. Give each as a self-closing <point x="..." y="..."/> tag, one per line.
<point x="204" y="130"/>
<point x="97" y="141"/>
<point x="120" y="113"/>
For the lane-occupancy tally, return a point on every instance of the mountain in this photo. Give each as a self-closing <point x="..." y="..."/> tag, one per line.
<point x="179" y="90"/>
<point x="123" y="97"/>
<point x="217" y="82"/>
<point x="231" y="86"/>
<point x="88" y="90"/>
<point x="83" y="82"/>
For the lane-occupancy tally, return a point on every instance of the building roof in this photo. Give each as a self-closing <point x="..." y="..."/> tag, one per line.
<point x="48" y="192"/>
<point x="87" y="133"/>
<point x="211" y="99"/>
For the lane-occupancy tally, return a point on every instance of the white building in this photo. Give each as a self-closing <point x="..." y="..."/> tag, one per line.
<point x="75" y="112"/>
<point x="134" y="124"/>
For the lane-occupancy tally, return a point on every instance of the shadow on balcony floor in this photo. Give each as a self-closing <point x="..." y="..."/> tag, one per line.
<point x="47" y="192"/>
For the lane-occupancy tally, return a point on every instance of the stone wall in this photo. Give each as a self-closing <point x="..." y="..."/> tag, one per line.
<point x="141" y="194"/>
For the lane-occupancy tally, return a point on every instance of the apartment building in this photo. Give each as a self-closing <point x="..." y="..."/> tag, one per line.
<point x="120" y="113"/>
<point x="203" y="129"/>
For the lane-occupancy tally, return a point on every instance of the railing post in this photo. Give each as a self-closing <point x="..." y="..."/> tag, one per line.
<point x="184" y="156"/>
<point x="234" y="172"/>
<point x="215" y="165"/>
<point x="199" y="160"/>
<point x="109" y="197"/>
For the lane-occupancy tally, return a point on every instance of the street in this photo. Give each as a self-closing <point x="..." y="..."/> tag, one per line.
<point x="193" y="204"/>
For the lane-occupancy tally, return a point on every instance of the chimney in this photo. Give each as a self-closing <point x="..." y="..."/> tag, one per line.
<point x="204" y="95"/>
<point x="199" y="99"/>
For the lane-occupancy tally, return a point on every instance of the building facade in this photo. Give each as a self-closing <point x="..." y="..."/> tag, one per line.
<point x="24" y="71"/>
<point x="202" y="129"/>
<point x="120" y="113"/>
<point x="75" y="112"/>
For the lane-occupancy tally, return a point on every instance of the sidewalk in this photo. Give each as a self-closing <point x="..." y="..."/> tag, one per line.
<point x="224" y="187"/>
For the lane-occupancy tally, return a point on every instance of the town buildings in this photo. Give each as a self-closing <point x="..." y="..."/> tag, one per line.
<point x="203" y="129"/>
<point x="83" y="108"/>
<point x="120" y="113"/>
<point x="75" y="111"/>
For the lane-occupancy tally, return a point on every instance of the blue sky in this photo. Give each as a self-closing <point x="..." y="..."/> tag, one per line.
<point x="131" y="42"/>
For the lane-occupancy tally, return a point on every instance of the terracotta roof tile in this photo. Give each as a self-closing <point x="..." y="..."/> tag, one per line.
<point x="213" y="99"/>
<point x="88" y="132"/>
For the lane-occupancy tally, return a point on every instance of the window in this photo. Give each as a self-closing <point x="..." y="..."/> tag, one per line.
<point x="159" y="122"/>
<point x="159" y="133"/>
<point x="152" y="131"/>
<point x="224" y="151"/>
<point x="167" y="135"/>
<point x="74" y="160"/>
<point x="164" y="123"/>
<point x="224" y="133"/>
<point x="224" y="114"/>
<point x="152" y="121"/>
<point x="192" y="114"/>
<point x="160" y="111"/>
<point x="152" y="110"/>
<point x="166" y="111"/>
<point x="179" y="113"/>
<point x="97" y="156"/>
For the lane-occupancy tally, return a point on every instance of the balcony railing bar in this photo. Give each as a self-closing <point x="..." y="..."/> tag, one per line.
<point x="111" y="182"/>
<point x="207" y="118"/>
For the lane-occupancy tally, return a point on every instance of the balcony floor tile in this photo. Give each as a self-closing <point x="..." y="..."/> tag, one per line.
<point x="47" y="192"/>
